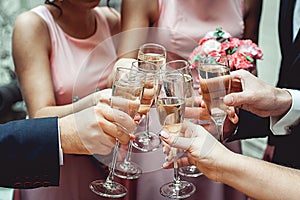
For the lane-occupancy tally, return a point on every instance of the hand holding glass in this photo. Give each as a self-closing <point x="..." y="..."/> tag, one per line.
<point x="170" y="108"/>
<point x="126" y="96"/>
<point x="184" y="67"/>
<point x="215" y="82"/>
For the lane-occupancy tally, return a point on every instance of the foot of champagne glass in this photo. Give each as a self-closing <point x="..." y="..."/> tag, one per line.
<point x="146" y="141"/>
<point x="190" y="171"/>
<point x="109" y="189"/>
<point x="127" y="170"/>
<point x="180" y="190"/>
<point x="177" y="189"/>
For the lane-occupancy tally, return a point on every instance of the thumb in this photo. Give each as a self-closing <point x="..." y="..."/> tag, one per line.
<point x="236" y="99"/>
<point x="176" y="141"/>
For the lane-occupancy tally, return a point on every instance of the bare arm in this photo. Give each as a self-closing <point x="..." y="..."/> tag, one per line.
<point x="31" y="53"/>
<point x="252" y="16"/>
<point x="113" y="18"/>
<point x="255" y="178"/>
<point x="134" y="24"/>
<point x="137" y="16"/>
<point x="260" y="179"/>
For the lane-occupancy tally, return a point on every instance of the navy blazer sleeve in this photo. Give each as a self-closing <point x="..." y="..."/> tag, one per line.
<point x="29" y="153"/>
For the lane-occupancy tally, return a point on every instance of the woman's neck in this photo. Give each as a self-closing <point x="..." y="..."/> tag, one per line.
<point x="77" y="23"/>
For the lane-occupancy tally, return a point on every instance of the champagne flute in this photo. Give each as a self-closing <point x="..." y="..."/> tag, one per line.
<point x="154" y="53"/>
<point x="215" y="83"/>
<point x="126" y="95"/>
<point x="148" y="141"/>
<point x="171" y="108"/>
<point x="184" y="67"/>
<point x="127" y="169"/>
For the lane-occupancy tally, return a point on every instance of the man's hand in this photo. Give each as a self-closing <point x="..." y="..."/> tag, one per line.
<point x="256" y="96"/>
<point x="93" y="130"/>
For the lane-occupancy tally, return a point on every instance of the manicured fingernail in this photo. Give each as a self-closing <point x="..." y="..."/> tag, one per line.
<point x="164" y="134"/>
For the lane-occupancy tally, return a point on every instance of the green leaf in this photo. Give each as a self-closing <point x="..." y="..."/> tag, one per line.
<point x="219" y="34"/>
<point x="196" y="59"/>
<point x="231" y="51"/>
<point x="249" y="58"/>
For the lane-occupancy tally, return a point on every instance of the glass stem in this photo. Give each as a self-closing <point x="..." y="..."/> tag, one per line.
<point x="127" y="159"/>
<point x="110" y="177"/>
<point x="176" y="180"/>
<point x="147" y="125"/>
<point x="220" y="126"/>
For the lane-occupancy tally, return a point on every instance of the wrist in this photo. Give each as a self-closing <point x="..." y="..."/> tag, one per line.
<point x="283" y="102"/>
<point x="217" y="163"/>
<point x="69" y="136"/>
<point x="65" y="127"/>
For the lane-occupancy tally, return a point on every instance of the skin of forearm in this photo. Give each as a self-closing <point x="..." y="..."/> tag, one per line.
<point x="259" y="179"/>
<point x="49" y="111"/>
<point x="64" y="110"/>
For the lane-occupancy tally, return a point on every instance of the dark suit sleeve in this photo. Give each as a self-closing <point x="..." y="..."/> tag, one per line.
<point x="29" y="153"/>
<point x="251" y="126"/>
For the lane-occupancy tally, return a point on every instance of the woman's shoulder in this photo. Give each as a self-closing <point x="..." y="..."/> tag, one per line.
<point x="29" y="20"/>
<point x="112" y="17"/>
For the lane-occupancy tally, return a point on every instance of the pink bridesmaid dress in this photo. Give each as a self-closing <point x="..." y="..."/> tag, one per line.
<point x="78" y="68"/>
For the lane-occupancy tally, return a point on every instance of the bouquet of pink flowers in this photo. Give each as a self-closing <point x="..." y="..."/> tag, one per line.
<point x="241" y="53"/>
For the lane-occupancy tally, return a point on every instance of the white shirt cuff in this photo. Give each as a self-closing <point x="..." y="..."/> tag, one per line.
<point x="283" y="125"/>
<point x="60" y="151"/>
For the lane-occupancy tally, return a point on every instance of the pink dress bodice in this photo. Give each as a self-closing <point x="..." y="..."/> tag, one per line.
<point x="78" y="68"/>
<point x="182" y="23"/>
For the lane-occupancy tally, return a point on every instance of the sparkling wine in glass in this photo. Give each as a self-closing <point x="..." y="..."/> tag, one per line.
<point x="171" y="108"/>
<point x="215" y="82"/>
<point x="154" y="53"/>
<point x="126" y="96"/>
<point x="146" y="140"/>
<point x="184" y="67"/>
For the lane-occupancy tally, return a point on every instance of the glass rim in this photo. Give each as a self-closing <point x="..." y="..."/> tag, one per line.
<point x="187" y="65"/>
<point x="173" y="73"/>
<point x="154" y="45"/>
<point x="146" y="70"/>
<point x="206" y="58"/>
<point x="178" y="61"/>
<point x="137" y="73"/>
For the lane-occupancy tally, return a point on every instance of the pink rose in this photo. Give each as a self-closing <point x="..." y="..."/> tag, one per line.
<point x="241" y="53"/>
